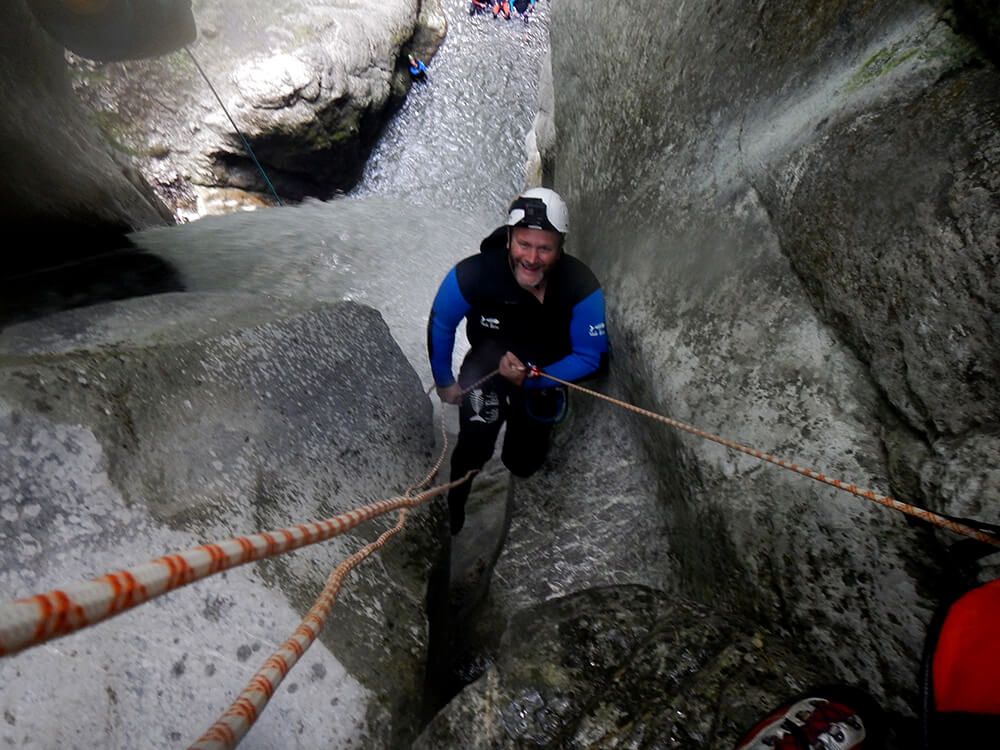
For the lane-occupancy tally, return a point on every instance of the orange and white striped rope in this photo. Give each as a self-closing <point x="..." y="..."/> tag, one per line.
<point x="889" y="502"/>
<point x="230" y="728"/>
<point x="233" y="725"/>
<point x="33" y="620"/>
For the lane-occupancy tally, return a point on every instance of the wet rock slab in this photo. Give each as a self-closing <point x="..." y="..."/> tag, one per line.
<point x="620" y="667"/>
<point x="134" y="429"/>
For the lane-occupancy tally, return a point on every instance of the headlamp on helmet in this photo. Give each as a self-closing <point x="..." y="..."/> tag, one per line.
<point x="539" y="208"/>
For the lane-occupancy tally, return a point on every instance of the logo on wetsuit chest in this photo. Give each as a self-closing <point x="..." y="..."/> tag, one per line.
<point x="492" y="323"/>
<point x="597" y="330"/>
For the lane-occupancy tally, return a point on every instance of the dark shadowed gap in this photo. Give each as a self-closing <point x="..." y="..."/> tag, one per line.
<point x="66" y="267"/>
<point x="464" y="627"/>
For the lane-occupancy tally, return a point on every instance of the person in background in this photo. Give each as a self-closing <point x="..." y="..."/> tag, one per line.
<point x="501" y="6"/>
<point x="418" y="71"/>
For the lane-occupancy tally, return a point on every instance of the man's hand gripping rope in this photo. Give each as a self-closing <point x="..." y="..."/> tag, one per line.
<point x="510" y="368"/>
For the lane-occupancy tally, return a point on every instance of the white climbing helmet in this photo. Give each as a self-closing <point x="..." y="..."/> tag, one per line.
<point x="539" y="208"/>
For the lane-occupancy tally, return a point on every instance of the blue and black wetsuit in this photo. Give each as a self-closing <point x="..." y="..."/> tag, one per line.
<point x="418" y="70"/>
<point x="564" y="335"/>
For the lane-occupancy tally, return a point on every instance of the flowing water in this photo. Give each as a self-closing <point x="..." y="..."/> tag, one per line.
<point x="459" y="139"/>
<point x="450" y="161"/>
<point x="438" y="181"/>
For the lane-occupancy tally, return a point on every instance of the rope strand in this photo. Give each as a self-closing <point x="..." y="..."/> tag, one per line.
<point x="246" y="143"/>
<point x="30" y="621"/>
<point x="944" y="522"/>
<point x="230" y="728"/>
<point x="238" y="719"/>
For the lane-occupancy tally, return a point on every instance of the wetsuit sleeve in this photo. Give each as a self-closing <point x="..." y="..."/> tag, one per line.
<point x="588" y="338"/>
<point x="446" y="313"/>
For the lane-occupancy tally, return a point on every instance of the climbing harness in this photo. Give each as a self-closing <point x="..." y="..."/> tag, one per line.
<point x="963" y="526"/>
<point x="546" y="405"/>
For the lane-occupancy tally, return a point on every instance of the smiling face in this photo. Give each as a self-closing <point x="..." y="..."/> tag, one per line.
<point x="533" y="253"/>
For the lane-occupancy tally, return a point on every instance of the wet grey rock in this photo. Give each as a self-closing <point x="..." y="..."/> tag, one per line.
<point x="541" y="139"/>
<point x="134" y="429"/>
<point x="386" y="252"/>
<point x="590" y="517"/>
<point x="309" y="85"/>
<point x="432" y="26"/>
<point x="794" y="216"/>
<point x="123" y="31"/>
<point x="963" y="474"/>
<point x="621" y="667"/>
<point x="905" y="268"/>
<point x="459" y="141"/>
<point x="793" y="212"/>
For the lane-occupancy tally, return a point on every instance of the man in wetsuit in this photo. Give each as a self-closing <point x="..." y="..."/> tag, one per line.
<point x="526" y="303"/>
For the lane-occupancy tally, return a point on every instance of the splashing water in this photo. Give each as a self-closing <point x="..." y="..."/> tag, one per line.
<point x="459" y="139"/>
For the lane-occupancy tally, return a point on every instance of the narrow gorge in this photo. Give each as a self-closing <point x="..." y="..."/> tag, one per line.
<point x="794" y="209"/>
